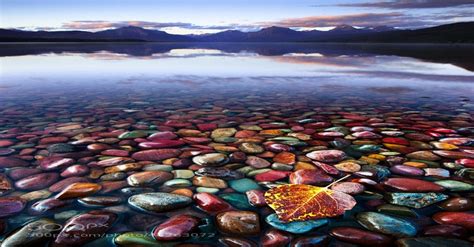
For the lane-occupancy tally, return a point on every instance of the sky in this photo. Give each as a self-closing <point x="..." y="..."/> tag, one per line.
<point x="208" y="16"/>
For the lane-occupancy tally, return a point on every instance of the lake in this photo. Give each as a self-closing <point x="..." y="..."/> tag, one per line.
<point x="135" y="137"/>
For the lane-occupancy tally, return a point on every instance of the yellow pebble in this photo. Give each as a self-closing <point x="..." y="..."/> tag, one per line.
<point x="169" y="161"/>
<point x="377" y="156"/>
<point x="304" y="166"/>
<point x="370" y="161"/>
<point x="271" y="132"/>
<point x="416" y="164"/>
<point x="226" y="149"/>
<point x="444" y="146"/>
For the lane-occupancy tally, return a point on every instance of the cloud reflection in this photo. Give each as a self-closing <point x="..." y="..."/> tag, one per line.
<point x="409" y="75"/>
<point x="352" y="64"/>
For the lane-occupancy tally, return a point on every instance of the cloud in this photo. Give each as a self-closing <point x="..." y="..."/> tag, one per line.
<point x="396" y="19"/>
<point x="411" y="4"/>
<point x="99" y="24"/>
<point x="93" y="25"/>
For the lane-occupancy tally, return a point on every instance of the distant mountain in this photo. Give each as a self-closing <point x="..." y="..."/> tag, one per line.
<point x="129" y="33"/>
<point x="381" y="28"/>
<point x="269" y="34"/>
<point x="451" y="33"/>
<point x="225" y="36"/>
<point x="345" y="29"/>
<point x="457" y="32"/>
<point x="138" y="33"/>
<point x="275" y="34"/>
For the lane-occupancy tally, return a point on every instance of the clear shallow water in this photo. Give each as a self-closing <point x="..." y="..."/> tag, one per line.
<point x="444" y="69"/>
<point x="89" y="94"/>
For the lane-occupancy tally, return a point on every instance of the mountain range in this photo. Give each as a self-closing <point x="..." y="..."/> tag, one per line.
<point x="450" y="33"/>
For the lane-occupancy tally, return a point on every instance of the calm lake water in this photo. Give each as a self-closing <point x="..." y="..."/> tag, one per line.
<point x="351" y="67"/>
<point x="133" y="118"/>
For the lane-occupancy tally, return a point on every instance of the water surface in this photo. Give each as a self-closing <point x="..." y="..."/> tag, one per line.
<point x="85" y="96"/>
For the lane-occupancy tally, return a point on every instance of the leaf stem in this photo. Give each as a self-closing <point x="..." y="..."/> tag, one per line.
<point x="337" y="181"/>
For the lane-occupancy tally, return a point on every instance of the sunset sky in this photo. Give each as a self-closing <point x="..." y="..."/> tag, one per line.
<point x="203" y="16"/>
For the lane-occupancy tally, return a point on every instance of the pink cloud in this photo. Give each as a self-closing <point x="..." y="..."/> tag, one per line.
<point x="364" y="19"/>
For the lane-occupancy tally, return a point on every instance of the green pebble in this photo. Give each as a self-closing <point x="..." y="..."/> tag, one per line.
<point x="178" y="183"/>
<point x="237" y="200"/>
<point x="396" y="210"/>
<point x="157" y="167"/>
<point x="106" y="157"/>
<point x="243" y="185"/>
<point x="454" y="185"/>
<point x="390" y="153"/>
<point x="415" y="200"/>
<point x="22" y="146"/>
<point x="366" y="148"/>
<point x="339" y="129"/>
<point x="133" y="134"/>
<point x="387" y="224"/>
<point x="183" y="174"/>
<point x="296" y="227"/>
<point x="295" y="143"/>
<point x="135" y="239"/>
<point x="284" y="138"/>
<point x="281" y="167"/>
<point x="306" y="120"/>
<point x="341" y="121"/>
<point x="225" y="139"/>
<point x="258" y="171"/>
<point x="452" y="165"/>
<point x="207" y="190"/>
<point x="246" y="169"/>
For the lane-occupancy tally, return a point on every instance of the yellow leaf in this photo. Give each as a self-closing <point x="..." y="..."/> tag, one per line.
<point x="297" y="202"/>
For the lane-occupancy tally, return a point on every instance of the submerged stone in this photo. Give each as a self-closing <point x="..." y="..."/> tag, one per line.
<point x="238" y="223"/>
<point x="412" y="185"/>
<point x="156" y="154"/>
<point x="8" y="162"/>
<point x="296" y="227"/>
<point x="211" y="159"/>
<point x="76" y="190"/>
<point x="37" y="181"/>
<point x="34" y="233"/>
<point x="95" y="223"/>
<point x="237" y="200"/>
<point x="159" y="201"/>
<point x="330" y="156"/>
<point x="415" y="200"/>
<point x="453" y="185"/>
<point x="243" y="185"/>
<point x="175" y="228"/>
<point x="387" y="224"/>
<point x="432" y="242"/>
<point x="148" y="178"/>
<point x="359" y="236"/>
<point x="11" y="205"/>
<point x="464" y="219"/>
<point x="135" y="239"/>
